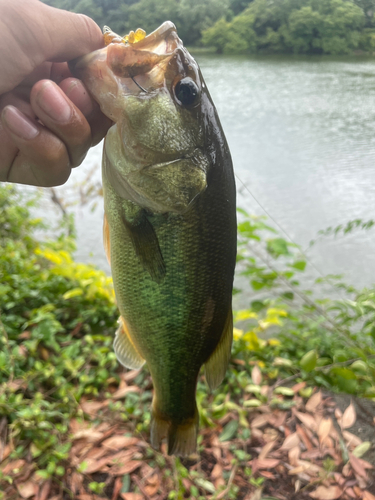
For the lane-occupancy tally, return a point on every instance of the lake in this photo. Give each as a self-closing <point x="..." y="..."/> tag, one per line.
<point x="302" y="136"/>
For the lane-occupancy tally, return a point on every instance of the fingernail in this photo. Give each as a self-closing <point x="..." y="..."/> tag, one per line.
<point x="53" y="102"/>
<point x="19" y="124"/>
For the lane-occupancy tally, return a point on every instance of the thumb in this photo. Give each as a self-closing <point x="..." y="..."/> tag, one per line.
<point x="33" y="33"/>
<point x="67" y="35"/>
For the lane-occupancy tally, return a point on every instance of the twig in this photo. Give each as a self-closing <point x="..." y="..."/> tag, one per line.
<point x="230" y="481"/>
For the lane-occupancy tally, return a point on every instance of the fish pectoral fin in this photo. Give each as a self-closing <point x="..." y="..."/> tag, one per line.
<point x="146" y="245"/>
<point x="125" y="350"/>
<point x="107" y="244"/>
<point x="217" y="363"/>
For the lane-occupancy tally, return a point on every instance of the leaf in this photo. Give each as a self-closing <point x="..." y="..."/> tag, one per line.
<point x="206" y="485"/>
<point x="119" y="442"/>
<point x="330" y="493"/>
<point x="229" y="431"/>
<point x="308" y="361"/>
<point x="252" y="403"/>
<point x="278" y="361"/>
<point x="348" y="418"/>
<point x="361" y="449"/>
<point x="265" y="463"/>
<point x="131" y="496"/>
<point x="266" y="449"/>
<point x="299" y="265"/>
<point x="324" y="429"/>
<point x="290" y="442"/>
<point x="314" y="402"/>
<point x="256" y="375"/>
<point x="27" y="489"/>
<point x="368" y="496"/>
<point x="357" y="466"/>
<point x="285" y="391"/>
<point x="306" y="419"/>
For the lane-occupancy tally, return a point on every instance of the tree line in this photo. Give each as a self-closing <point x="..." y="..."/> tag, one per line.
<point x="245" y="26"/>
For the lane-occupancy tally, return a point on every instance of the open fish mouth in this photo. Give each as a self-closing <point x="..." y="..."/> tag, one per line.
<point x="129" y="60"/>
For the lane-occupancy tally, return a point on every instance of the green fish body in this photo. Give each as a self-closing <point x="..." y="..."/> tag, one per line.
<point x="170" y="222"/>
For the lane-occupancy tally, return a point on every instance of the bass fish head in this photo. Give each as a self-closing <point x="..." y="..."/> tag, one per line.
<point x="153" y="91"/>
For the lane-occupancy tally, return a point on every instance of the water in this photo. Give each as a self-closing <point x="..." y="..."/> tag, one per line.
<point x="302" y="136"/>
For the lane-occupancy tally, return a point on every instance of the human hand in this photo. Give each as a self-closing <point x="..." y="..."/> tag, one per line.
<point x="48" y="120"/>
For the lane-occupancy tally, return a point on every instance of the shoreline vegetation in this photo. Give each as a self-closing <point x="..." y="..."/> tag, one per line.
<point x="245" y="27"/>
<point x="75" y="424"/>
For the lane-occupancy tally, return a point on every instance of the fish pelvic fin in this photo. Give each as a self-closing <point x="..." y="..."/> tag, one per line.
<point x="125" y="350"/>
<point x="217" y="364"/>
<point x="181" y="436"/>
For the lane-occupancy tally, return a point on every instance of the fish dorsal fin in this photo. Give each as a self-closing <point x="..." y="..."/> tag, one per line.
<point x="145" y="243"/>
<point x="124" y="348"/>
<point x="107" y="243"/>
<point x="216" y="366"/>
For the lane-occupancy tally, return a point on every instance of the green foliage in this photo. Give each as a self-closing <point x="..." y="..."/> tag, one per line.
<point x="58" y="317"/>
<point x="294" y="26"/>
<point x="190" y="16"/>
<point x="56" y="327"/>
<point x="327" y="341"/>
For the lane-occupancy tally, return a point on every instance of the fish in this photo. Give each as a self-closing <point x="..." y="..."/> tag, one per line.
<point x="170" y="221"/>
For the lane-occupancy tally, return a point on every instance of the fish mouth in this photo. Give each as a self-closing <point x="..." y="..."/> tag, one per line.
<point x="131" y="59"/>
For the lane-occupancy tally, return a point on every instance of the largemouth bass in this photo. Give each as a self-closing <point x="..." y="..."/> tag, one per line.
<point x="170" y="221"/>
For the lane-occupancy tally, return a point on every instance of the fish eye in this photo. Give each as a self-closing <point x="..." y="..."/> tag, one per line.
<point x="187" y="92"/>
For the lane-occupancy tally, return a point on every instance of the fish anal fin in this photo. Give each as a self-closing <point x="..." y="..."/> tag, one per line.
<point x="125" y="350"/>
<point x="146" y="245"/>
<point x="106" y="240"/>
<point x="217" y="363"/>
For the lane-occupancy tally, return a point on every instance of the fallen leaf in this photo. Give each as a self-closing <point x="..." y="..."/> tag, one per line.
<point x="314" y="402"/>
<point x="348" y="418"/>
<point x="217" y="471"/>
<point x="44" y="491"/>
<point x="27" y="489"/>
<point x="13" y="466"/>
<point x="357" y="466"/>
<point x="290" y="442"/>
<point x="121" y="393"/>
<point x="361" y="449"/>
<point x="297" y="387"/>
<point x="293" y="455"/>
<point x="259" y="421"/>
<point x="131" y="375"/>
<point x="256" y="375"/>
<point x="265" y="463"/>
<point x="368" y="496"/>
<point x="119" y="442"/>
<point x="117" y="488"/>
<point x="330" y="493"/>
<point x="304" y="438"/>
<point x="92" y="407"/>
<point x="89" y="434"/>
<point x="324" y="429"/>
<point x="132" y="496"/>
<point x="306" y="419"/>
<point x="127" y="468"/>
<point x="351" y="439"/>
<point x="266" y="449"/>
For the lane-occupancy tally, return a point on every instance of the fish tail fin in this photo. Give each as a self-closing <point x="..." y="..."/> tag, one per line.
<point x="181" y="437"/>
